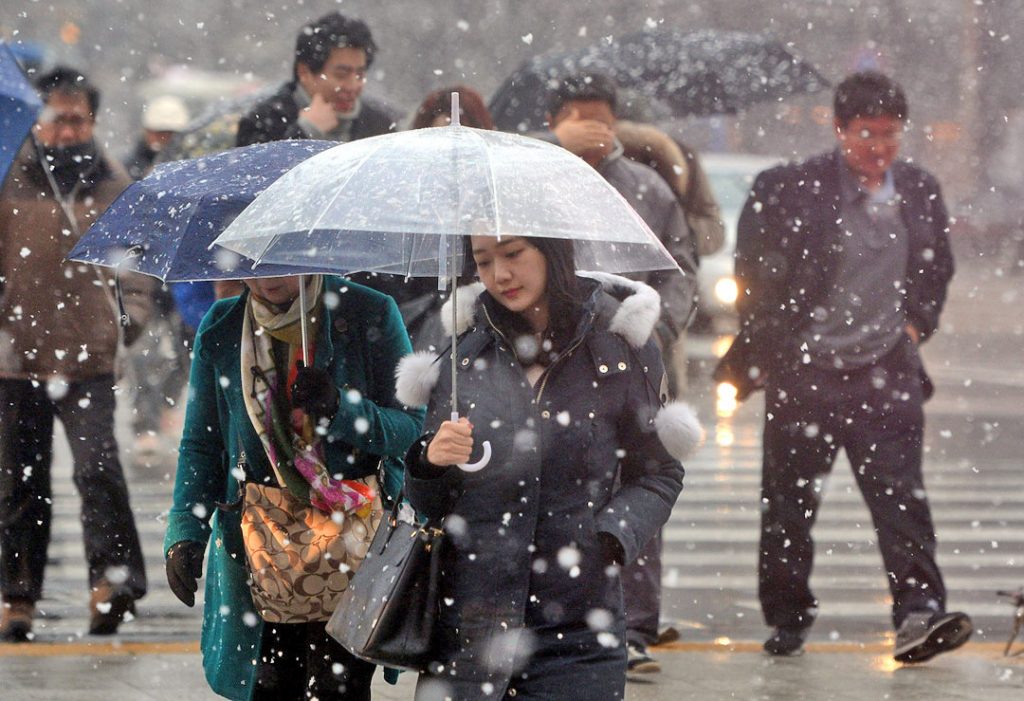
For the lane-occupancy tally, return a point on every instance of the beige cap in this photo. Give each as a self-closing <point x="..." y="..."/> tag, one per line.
<point x="165" y="113"/>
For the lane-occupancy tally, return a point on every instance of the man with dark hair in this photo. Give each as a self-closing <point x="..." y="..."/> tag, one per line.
<point x="58" y="340"/>
<point x="843" y="263"/>
<point x="324" y="98"/>
<point x="581" y="113"/>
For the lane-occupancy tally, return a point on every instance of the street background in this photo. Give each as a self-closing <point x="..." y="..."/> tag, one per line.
<point x="959" y="61"/>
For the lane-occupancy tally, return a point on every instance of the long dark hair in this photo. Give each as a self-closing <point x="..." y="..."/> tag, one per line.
<point x="565" y="296"/>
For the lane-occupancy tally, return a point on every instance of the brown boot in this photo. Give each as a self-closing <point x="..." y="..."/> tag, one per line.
<point x="16" y="622"/>
<point x="108" y="605"/>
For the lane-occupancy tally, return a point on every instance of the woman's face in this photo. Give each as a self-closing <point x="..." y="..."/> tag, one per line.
<point x="279" y="291"/>
<point x="513" y="271"/>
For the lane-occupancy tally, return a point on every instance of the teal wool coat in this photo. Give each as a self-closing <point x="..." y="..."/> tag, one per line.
<point x="361" y="339"/>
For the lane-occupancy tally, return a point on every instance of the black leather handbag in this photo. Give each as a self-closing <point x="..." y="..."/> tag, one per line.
<point x="388" y="614"/>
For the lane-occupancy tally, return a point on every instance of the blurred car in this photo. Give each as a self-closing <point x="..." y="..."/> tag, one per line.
<point x="731" y="176"/>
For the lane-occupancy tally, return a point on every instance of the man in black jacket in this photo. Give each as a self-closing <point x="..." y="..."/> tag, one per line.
<point x="843" y="262"/>
<point x="324" y="98"/>
<point x="581" y="111"/>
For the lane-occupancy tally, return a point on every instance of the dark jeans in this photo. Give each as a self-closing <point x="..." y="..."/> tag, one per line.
<point x="876" y="415"/>
<point x="641" y="594"/>
<point x="86" y="410"/>
<point x="300" y="661"/>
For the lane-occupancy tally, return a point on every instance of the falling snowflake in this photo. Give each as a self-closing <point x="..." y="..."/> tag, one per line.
<point x="568" y="557"/>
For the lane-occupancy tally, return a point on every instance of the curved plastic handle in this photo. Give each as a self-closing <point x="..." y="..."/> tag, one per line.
<point x="479" y="464"/>
<point x="482" y="462"/>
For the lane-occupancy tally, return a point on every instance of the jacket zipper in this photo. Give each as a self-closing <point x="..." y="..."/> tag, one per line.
<point x="547" y="373"/>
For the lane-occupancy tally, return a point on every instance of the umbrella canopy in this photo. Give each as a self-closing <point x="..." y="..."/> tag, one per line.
<point x="667" y="70"/>
<point x="402" y="203"/>
<point x="19" y="107"/>
<point x="391" y="203"/>
<point x="164" y="224"/>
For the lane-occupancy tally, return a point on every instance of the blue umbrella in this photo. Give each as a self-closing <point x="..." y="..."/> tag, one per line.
<point x="164" y="224"/>
<point x="19" y="106"/>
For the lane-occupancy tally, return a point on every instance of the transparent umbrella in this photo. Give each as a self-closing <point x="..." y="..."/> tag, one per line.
<point x="402" y="204"/>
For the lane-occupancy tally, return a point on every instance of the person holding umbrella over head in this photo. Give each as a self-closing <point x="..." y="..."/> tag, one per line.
<point x="315" y="415"/>
<point x="559" y="373"/>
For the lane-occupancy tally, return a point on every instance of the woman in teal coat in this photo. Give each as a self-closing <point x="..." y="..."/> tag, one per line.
<point x="348" y="394"/>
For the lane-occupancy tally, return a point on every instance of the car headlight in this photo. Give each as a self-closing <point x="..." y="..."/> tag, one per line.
<point x="726" y="290"/>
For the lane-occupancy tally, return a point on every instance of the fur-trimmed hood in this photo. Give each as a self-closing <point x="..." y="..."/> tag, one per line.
<point x="633" y="320"/>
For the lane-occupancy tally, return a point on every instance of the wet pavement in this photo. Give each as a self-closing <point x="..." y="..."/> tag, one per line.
<point x="824" y="673"/>
<point x="975" y="479"/>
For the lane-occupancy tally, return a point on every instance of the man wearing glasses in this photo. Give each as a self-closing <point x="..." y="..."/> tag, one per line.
<point x="324" y="98"/>
<point x="843" y="263"/>
<point x="59" y="338"/>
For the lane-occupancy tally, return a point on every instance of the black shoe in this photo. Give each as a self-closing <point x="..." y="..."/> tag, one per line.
<point x="923" y="635"/>
<point x="786" y="642"/>
<point x="639" y="662"/>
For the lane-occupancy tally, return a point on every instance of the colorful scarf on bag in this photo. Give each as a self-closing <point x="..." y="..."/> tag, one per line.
<point x="288" y="435"/>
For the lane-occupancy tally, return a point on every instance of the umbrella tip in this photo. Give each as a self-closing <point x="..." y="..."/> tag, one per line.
<point x="455" y="109"/>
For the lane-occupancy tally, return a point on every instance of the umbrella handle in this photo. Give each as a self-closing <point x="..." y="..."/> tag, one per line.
<point x="302" y="320"/>
<point x="482" y="462"/>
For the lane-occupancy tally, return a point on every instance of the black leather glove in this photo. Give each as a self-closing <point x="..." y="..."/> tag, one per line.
<point x="184" y="567"/>
<point x="314" y="392"/>
<point x="611" y="549"/>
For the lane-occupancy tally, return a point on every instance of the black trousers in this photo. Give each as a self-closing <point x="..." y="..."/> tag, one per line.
<point x="86" y="409"/>
<point x="876" y="415"/>
<point x="300" y="661"/>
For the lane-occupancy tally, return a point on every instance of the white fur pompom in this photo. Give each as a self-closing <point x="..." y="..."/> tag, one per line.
<point x="679" y="429"/>
<point x="415" y="378"/>
<point x="464" y="313"/>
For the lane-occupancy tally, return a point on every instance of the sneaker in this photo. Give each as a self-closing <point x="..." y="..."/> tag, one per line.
<point x="639" y="662"/>
<point x="924" y="634"/>
<point x="786" y="642"/>
<point x="107" y="608"/>
<point x="16" y="621"/>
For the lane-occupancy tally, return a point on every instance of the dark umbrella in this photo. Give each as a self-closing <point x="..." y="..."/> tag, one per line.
<point x="696" y="73"/>
<point x="164" y="224"/>
<point x="19" y="106"/>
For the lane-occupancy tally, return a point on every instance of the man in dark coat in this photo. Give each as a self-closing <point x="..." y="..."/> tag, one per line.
<point x="581" y="111"/>
<point x="58" y="341"/>
<point x="843" y="263"/>
<point x="324" y="98"/>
